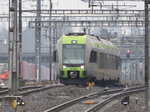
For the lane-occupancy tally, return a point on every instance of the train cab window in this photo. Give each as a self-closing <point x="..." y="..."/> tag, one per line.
<point x="93" y="57"/>
<point x="73" y="54"/>
<point x="55" y="56"/>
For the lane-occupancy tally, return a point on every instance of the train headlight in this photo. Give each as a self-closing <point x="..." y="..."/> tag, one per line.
<point x="64" y="67"/>
<point x="82" y="66"/>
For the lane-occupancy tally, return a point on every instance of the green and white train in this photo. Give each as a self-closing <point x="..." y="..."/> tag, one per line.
<point x="81" y="58"/>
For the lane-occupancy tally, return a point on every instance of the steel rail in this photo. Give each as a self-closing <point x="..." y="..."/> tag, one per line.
<point x="3" y="88"/>
<point x="110" y="99"/>
<point x="93" y="95"/>
<point x="23" y="91"/>
<point x="4" y="92"/>
<point x="28" y="87"/>
<point x="74" y="101"/>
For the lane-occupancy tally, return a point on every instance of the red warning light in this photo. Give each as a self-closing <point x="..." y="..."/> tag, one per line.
<point x="128" y="51"/>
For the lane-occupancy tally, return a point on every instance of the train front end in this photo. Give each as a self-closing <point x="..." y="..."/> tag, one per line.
<point x="73" y="59"/>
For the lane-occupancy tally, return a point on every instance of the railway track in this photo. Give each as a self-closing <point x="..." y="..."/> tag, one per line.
<point x="27" y="90"/>
<point x="68" y="106"/>
<point x="35" y="100"/>
<point x="104" y="102"/>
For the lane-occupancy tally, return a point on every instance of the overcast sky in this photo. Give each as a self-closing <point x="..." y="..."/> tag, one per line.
<point x="67" y="4"/>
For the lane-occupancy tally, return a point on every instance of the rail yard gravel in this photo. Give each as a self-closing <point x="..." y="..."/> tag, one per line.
<point x="40" y="101"/>
<point x="136" y="104"/>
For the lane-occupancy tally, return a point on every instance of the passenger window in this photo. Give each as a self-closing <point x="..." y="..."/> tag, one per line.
<point x="93" y="57"/>
<point x="103" y="62"/>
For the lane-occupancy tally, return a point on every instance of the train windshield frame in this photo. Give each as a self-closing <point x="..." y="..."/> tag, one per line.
<point x="73" y="54"/>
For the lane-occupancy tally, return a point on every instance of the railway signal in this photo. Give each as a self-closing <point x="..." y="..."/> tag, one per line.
<point x="18" y="102"/>
<point x="128" y="53"/>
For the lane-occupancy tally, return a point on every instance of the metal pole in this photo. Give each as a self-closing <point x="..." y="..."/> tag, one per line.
<point x="50" y="42"/>
<point x="146" y="58"/>
<point x="130" y="71"/>
<point x="20" y="39"/>
<point x="9" y="42"/>
<point x="89" y="3"/>
<point x="136" y="72"/>
<point x="36" y="52"/>
<point x="13" y="82"/>
<point x="92" y="6"/>
<point x="38" y="42"/>
<point x="9" y="46"/>
<point x="125" y="70"/>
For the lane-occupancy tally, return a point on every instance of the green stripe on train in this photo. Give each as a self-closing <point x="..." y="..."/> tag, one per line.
<point x="79" y="39"/>
<point x="100" y="45"/>
<point x="81" y="75"/>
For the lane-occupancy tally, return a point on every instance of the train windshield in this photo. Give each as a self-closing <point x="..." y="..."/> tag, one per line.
<point x="73" y="54"/>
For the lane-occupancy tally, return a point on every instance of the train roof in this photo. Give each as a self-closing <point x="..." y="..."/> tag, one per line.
<point x="95" y="42"/>
<point x="104" y="44"/>
<point x="74" y="38"/>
